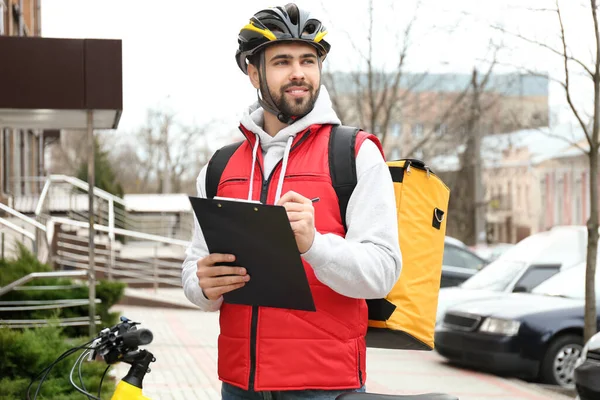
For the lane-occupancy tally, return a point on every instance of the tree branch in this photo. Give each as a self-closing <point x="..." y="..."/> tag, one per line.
<point x="596" y="127"/>
<point x="547" y="47"/>
<point x="395" y="85"/>
<point x="566" y="67"/>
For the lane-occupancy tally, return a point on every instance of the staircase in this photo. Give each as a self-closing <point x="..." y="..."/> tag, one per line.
<point x="56" y="229"/>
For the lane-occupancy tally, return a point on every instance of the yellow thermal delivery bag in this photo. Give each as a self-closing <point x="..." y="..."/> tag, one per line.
<point x="410" y="308"/>
<point x="405" y="318"/>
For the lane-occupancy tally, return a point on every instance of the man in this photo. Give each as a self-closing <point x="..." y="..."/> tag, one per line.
<point x="286" y="354"/>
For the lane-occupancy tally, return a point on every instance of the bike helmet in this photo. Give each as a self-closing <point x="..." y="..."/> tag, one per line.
<point x="277" y="25"/>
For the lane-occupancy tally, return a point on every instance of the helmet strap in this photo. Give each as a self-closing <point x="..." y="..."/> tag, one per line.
<point x="266" y="100"/>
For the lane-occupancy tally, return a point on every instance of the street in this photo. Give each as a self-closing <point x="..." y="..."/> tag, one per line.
<point x="185" y="346"/>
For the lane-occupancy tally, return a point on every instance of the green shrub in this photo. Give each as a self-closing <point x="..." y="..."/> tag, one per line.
<point x="109" y="292"/>
<point x="25" y="353"/>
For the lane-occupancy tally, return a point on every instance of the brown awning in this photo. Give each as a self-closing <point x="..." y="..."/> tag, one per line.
<point x="48" y="83"/>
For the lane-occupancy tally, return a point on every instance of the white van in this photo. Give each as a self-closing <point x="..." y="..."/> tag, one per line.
<point x="520" y="268"/>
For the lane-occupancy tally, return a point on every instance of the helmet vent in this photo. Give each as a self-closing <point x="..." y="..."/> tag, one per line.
<point x="293" y="12"/>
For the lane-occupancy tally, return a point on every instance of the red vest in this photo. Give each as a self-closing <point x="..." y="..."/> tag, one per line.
<point x="277" y="349"/>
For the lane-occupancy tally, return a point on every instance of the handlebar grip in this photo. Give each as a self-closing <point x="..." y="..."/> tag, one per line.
<point x="137" y="337"/>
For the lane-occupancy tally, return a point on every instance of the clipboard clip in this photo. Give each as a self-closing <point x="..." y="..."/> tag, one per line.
<point x="233" y="199"/>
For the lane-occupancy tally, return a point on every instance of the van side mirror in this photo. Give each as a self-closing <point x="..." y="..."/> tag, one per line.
<point x="520" y="289"/>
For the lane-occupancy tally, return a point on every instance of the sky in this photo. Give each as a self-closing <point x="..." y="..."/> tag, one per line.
<point x="179" y="54"/>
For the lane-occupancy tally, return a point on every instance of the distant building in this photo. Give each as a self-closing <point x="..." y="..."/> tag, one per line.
<point x="434" y="103"/>
<point x="532" y="180"/>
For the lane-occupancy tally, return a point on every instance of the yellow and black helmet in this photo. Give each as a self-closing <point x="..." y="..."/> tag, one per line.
<point x="277" y="24"/>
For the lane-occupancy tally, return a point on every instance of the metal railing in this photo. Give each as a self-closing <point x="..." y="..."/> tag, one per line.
<point x="38" y="237"/>
<point x="33" y="305"/>
<point x="150" y="265"/>
<point x="67" y="195"/>
<point x="157" y="261"/>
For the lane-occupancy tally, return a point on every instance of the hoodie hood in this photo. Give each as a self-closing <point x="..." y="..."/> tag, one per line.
<point x="322" y="113"/>
<point x="278" y="147"/>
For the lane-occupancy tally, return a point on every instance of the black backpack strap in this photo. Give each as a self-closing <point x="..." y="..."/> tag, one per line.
<point x="342" y="164"/>
<point x="216" y="166"/>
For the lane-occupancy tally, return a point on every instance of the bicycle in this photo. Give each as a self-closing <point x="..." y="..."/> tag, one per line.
<point x="121" y="342"/>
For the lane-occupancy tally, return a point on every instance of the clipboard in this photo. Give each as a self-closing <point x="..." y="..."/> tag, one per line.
<point x="261" y="238"/>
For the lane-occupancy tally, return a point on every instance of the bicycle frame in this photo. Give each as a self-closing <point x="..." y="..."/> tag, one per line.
<point x="130" y="387"/>
<point x="126" y="391"/>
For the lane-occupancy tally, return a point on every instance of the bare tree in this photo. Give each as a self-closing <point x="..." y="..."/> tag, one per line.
<point x="374" y="93"/>
<point x="68" y="153"/>
<point x="163" y="157"/>
<point x="375" y="98"/>
<point x="574" y="67"/>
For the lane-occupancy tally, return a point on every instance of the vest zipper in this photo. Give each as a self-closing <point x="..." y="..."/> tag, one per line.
<point x="264" y="194"/>
<point x="254" y="321"/>
<point x="360" y="377"/>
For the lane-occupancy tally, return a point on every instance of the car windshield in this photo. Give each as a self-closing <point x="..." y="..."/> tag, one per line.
<point x="568" y="283"/>
<point x="496" y="276"/>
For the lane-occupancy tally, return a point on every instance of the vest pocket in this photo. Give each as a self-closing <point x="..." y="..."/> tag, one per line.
<point x="232" y="182"/>
<point x="307" y="177"/>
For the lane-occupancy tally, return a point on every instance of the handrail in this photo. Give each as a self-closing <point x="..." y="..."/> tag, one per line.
<point x="34" y="275"/>
<point x="23" y="217"/>
<point x="17" y="229"/>
<point x="123" y="232"/>
<point x="103" y="194"/>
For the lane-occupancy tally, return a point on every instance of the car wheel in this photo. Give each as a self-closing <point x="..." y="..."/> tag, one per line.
<point x="559" y="361"/>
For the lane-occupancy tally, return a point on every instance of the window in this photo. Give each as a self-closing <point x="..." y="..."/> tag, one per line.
<point x="535" y="275"/>
<point x="441" y="130"/>
<point x="417" y="131"/>
<point x="560" y="201"/>
<point x="496" y="276"/>
<point x="2" y="11"/>
<point x="456" y="257"/>
<point x="397" y="129"/>
<point x="578" y="205"/>
<point x="568" y="283"/>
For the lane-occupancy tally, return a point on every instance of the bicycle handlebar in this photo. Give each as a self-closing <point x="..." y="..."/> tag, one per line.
<point x="138" y="337"/>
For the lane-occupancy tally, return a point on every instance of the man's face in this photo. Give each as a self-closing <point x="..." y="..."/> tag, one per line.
<point x="293" y="77"/>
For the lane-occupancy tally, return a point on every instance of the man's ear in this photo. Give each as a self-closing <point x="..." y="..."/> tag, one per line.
<point x="254" y="76"/>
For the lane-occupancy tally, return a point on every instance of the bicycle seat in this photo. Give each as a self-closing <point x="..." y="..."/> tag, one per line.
<point x="373" y="396"/>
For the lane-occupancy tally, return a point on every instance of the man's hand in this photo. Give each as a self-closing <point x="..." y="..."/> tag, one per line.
<point x="301" y="214"/>
<point x="215" y="279"/>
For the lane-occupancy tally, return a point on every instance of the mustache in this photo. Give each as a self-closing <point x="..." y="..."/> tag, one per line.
<point x="303" y="85"/>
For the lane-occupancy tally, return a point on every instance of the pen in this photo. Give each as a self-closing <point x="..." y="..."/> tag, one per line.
<point x="315" y="199"/>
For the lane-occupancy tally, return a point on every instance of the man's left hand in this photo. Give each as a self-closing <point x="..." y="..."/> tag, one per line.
<point x="301" y="214"/>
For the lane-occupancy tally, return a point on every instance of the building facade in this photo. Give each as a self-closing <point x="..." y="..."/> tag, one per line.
<point x="21" y="150"/>
<point x="439" y="108"/>
<point x="531" y="191"/>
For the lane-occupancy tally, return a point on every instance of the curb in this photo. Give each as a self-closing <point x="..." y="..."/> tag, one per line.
<point x="550" y="391"/>
<point x="136" y="298"/>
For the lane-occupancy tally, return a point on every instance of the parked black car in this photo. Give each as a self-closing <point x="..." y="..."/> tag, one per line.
<point x="459" y="263"/>
<point x="537" y="336"/>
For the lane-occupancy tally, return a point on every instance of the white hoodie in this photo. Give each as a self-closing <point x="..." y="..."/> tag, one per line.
<point x="367" y="262"/>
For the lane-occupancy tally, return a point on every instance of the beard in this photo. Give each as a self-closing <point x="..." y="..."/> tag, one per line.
<point x="298" y="107"/>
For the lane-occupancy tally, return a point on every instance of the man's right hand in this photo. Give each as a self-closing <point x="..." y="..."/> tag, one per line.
<point x="215" y="279"/>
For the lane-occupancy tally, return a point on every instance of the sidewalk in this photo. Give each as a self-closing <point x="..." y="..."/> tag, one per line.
<point x="185" y="346"/>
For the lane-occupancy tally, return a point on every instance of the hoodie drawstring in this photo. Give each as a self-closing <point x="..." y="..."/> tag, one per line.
<point x="254" y="151"/>
<point x="286" y="155"/>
